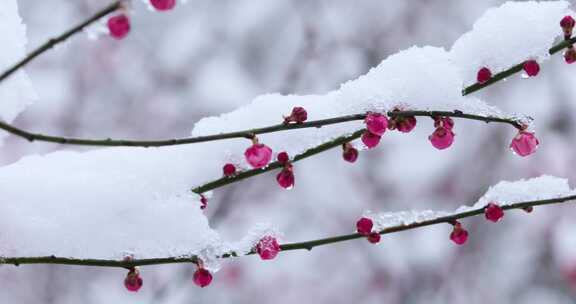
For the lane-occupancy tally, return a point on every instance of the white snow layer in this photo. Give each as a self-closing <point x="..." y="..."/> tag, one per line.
<point x="509" y="34"/>
<point x="111" y="202"/>
<point x="504" y="193"/>
<point x="16" y="92"/>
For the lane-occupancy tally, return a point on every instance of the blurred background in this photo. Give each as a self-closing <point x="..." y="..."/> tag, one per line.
<point x="208" y="57"/>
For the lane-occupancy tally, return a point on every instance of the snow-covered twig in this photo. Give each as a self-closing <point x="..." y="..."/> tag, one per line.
<point x="340" y="140"/>
<point x="307" y="245"/>
<point x="61" y="38"/>
<point x="515" y="69"/>
<point x="251" y="132"/>
<point x="238" y="134"/>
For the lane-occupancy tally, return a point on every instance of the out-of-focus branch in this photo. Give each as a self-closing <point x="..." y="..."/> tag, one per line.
<point x="61" y="38"/>
<point x="307" y="245"/>
<point x="238" y="134"/>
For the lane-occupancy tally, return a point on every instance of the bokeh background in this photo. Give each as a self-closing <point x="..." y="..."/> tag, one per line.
<point x="211" y="56"/>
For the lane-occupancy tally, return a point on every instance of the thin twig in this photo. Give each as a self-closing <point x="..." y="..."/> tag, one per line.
<point x="63" y="37"/>
<point x="515" y="69"/>
<point x="307" y="245"/>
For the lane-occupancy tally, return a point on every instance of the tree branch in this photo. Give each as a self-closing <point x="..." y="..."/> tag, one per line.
<point x="247" y="133"/>
<point x="276" y="165"/>
<point x="515" y="69"/>
<point x="307" y="245"/>
<point x="238" y="134"/>
<point x="225" y="180"/>
<point x="468" y="90"/>
<point x="56" y="40"/>
<point x="63" y="37"/>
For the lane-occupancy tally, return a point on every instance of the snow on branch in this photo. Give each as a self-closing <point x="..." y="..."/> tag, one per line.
<point x="522" y="194"/>
<point x="466" y="53"/>
<point x="248" y="134"/>
<point x="99" y="207"/>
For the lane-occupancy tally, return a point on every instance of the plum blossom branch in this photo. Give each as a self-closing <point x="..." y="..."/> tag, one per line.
<point x="567" y="43"/>
<point x="514" y="69"/>
<point x="439" y="220"/>
<point x="276" y="165"/>
<point x="225" y="180"/>
<point x="306" y="245"/>
<point x="61" y="38"/>
<point x="248" y="134"/>
<point x="30" y="136"/>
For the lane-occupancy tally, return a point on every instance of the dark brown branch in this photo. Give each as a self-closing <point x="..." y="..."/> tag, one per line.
<point x="307" y="245"/>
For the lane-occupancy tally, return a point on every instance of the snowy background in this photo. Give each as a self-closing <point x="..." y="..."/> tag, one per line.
<point x="210" y="57"/>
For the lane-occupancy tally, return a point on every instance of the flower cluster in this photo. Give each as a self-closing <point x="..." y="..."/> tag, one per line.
<point x="492" y="212"/>
<point x="376" y="125"/>
<point x="259" y="155"/>
<point x="119" y="25"/>
<point x="364" y="227"/>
